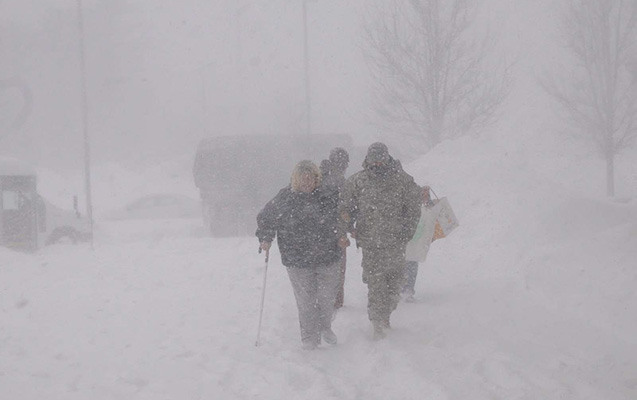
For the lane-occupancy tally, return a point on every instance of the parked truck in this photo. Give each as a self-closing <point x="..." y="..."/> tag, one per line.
<point x="237" y="175"/>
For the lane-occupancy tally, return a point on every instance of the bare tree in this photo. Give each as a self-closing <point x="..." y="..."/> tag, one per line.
<point x="430" y="69"/>
<point x="599" y="94"/>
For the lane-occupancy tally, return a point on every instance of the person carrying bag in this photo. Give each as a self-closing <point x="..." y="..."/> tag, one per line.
<point x="437" y="221"/>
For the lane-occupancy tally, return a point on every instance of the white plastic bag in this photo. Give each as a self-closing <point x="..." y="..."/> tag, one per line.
<point x="436" y="222"/>
<point x="446" y="220"/>
<point x="418" y="246"/>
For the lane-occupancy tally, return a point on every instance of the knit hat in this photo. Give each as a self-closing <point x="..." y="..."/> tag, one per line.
<point x="377" y="153"/>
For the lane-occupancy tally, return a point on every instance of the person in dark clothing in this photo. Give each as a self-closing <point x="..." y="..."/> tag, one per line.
<point x="302" y="217"/>
<point x="335" y="167"/>
<point x="380" y="207"/>
<point x="324" y="168"/>
<point x="333" y="175"/>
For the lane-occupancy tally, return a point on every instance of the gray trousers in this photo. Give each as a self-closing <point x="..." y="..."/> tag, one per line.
<point x="315" y="292"/>
<point x="384" y="274"/>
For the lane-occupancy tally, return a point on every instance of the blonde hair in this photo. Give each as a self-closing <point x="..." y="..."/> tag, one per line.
<point x="302" y="168"/>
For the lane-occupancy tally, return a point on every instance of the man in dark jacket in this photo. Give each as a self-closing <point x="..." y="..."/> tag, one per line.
<point x="333" y="177"/>
<point x="302" y="217"/>
<point x="333" y="169"/>
<point x="380" y="207"/>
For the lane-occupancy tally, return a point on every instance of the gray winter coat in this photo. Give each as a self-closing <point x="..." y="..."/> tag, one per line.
<point x="382" y="207"/>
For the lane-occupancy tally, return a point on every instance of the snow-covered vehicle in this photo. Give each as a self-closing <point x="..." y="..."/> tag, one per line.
<point x="237" y="175"/>
<point x="62" y="225"/>
<point x="27" y="220"/>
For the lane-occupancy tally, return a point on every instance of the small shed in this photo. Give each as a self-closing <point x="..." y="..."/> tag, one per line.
<point x="18" y="205"/>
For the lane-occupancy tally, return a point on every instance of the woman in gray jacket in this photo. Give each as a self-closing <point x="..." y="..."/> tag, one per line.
<point x="302" y="216"/>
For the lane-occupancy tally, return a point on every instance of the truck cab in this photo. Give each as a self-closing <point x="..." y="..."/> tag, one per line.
<point x="237" y="175"/>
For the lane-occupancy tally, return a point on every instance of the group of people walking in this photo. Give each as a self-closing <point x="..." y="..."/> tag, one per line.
<point x="313" y="220"/>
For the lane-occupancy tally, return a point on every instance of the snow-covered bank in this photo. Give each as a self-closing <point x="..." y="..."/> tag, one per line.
<point x="170" y="317"/>
<point x="531" y="298"/>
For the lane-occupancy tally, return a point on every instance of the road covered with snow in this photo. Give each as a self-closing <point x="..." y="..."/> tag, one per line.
<point x="532" y="297"/>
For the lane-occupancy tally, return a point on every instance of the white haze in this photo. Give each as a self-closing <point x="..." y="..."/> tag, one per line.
<point x="163" y="74"/>
<point x="532" y="298"/>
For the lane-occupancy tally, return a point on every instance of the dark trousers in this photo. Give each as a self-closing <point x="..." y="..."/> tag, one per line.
<point x="340" y="295"/>
<point x="384" y="274"/>
<point x="411" y="272"/>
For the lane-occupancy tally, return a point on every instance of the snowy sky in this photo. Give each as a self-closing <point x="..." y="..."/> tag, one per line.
<point x="164" y="73"/>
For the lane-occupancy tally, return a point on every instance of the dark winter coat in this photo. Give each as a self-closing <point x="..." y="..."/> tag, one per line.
<point x="332" y="177"/>
<point x="382" y="207"/>
<point x="304" y="225"/>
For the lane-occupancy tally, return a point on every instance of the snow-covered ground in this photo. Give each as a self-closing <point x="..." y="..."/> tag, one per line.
<point x="533" y="297"/>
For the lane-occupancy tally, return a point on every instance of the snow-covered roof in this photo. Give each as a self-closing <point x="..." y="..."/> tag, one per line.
<point x="12" y="166"/>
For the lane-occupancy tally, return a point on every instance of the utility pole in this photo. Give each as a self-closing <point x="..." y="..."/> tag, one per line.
<point x="306" y="66"/>
<point x="202" y="71"/>
<point x="87" y="149"/>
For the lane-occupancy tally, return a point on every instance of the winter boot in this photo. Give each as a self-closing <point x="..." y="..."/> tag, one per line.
<point x="385" y="323"/>
<point x="379" y="332"/>
<point x="329" y="336"/>
<point x="309" y="345"/>
<point x="311" y="342"/>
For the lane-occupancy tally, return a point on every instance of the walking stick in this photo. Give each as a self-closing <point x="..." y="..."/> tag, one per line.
<point x="265" y="276"/>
